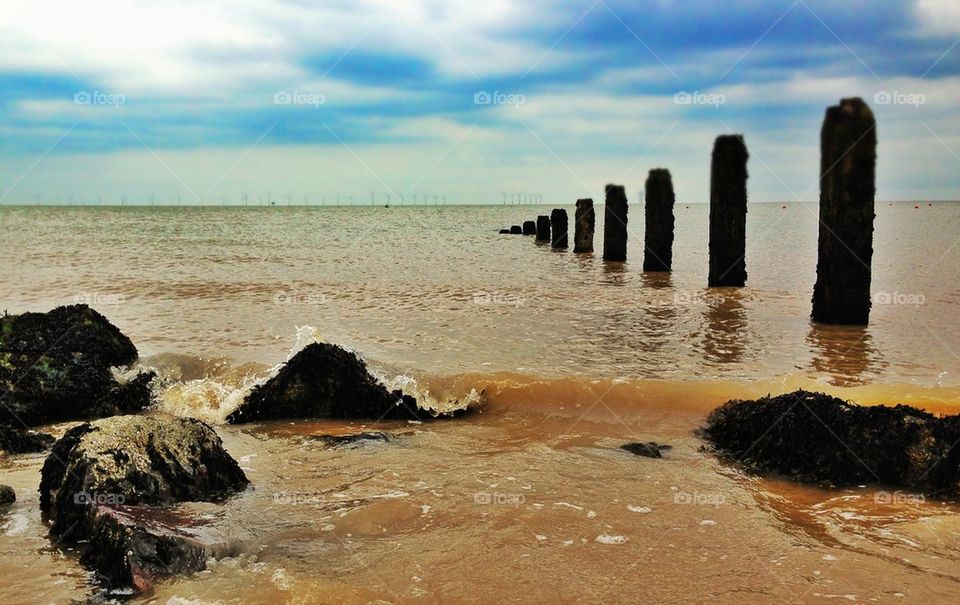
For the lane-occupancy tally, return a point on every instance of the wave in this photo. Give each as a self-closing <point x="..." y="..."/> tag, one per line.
<point x="207" y="389"/>
<point x="211" y="388"/>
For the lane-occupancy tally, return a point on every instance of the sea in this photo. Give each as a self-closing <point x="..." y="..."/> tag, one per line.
<point x="563" y="358"/>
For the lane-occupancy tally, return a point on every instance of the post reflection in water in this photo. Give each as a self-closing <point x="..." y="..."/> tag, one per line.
<point x="844" y="353"/>
<point x="724" y="326"/>
<point x="656" y="280"/>
<point x="615" y="273"/>
<point x="659" y="311"/>
<point x="586" y="262"/>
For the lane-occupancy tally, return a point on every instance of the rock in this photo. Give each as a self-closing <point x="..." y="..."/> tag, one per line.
<point x="135" y="545"/>
<point x="650" y="449"/>
<point x="102" y="478"/>
<point x="516" y="230"/>
<point x="357" y="439"/>
<point x="7" y="495"/>
<point x="56" y="366"/>
<point x="529" y="228"/>
<point x="64" y="330"/>
<point x="325" y="381"/>
<point x="818" y="438"/>
<point x="13" y="441"/>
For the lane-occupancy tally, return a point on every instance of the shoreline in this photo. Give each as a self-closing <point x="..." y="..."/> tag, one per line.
<point x="211" y="396"/>
<point x="562" y="465"/>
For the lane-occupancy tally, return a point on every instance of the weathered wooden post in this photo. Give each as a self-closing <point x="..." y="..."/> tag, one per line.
<point x="529" y="228"/>
<point x="516" y="230"/>
<point x="848" y="162"/>
<point x="728" y="212"/>
<point x="659" y="221"/>
<point x="558" y="226"/>
<point x="615" y="224"/>
<point x="584" y="221"/>
<point x="543" y="228"/>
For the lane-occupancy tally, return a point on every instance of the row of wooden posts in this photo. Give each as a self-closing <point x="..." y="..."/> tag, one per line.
<point x="841" y="295"/>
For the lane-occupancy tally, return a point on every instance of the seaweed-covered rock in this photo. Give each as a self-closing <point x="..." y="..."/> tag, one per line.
<point x="325" y="381"/>
<point x="815" y="437"/>
<point x="7" y="495"/>
<point x="14" y="441"/>
<point x="103" y="478"/>
<point x="57" y="366"/>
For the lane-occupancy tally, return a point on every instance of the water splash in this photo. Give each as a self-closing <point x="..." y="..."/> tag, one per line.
<point x="442" y="400"/>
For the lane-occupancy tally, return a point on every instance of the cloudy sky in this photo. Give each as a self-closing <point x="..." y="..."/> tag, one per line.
<point x="206" y="101"/>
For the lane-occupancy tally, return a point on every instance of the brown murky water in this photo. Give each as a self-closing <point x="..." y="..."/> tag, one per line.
<point x="530" y="500"/>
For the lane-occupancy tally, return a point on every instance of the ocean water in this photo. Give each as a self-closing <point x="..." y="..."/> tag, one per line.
<point x="568" y="357"/>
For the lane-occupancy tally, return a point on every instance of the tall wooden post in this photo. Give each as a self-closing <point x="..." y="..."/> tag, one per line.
<point x="615" y="224"/>
<point x="728" y="212"/>
<point x="659" y="221"/>
<point x="558" y="226"/>
<point x="584" y="221"/>
<point x="848" y="161"/>
<point x="543" y="228"/>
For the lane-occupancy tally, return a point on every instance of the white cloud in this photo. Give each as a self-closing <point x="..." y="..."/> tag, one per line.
<point x="216" y="47"/>
<point x="941" y="16"/>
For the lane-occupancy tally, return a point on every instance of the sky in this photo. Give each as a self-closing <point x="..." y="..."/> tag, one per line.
<point x="170" y="101"/>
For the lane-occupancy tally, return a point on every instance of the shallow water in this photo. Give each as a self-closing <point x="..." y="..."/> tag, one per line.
<point x="436" y="289"/>
<point x="530" y="499"/>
